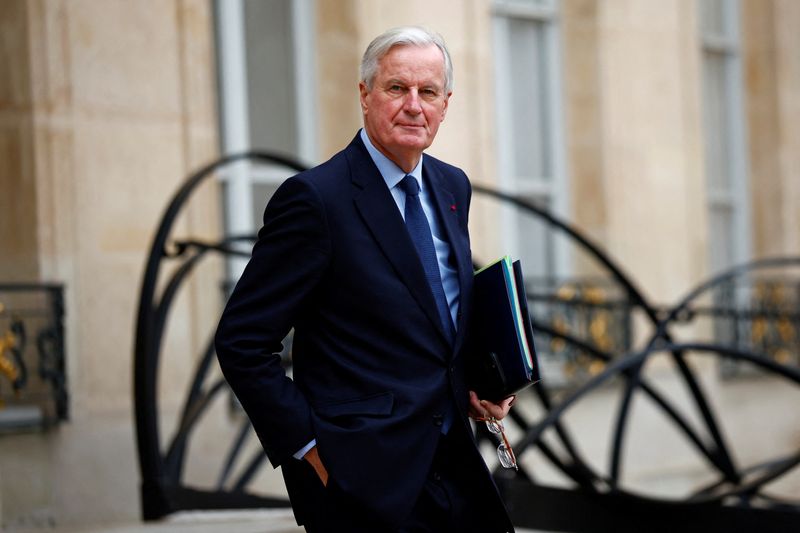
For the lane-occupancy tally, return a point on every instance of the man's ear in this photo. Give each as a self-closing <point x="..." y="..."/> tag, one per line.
<point x="446" y="102"/>
<point x="363" y="92"/>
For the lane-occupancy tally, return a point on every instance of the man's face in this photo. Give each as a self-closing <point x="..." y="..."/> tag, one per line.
<point x="406" y="104"/>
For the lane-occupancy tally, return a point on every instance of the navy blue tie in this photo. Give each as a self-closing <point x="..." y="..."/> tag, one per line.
<point x="420" y="231"/>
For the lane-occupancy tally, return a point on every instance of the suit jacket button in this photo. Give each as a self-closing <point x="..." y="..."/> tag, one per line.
<point x="438" y="420"/>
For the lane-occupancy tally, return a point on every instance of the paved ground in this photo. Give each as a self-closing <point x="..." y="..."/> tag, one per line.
<point x="267" y="521"/>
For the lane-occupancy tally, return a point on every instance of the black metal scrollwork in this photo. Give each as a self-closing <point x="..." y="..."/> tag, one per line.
<point x="586" y="327"/>
<point x="34" y="370"/>
<point x="162" y="469"/>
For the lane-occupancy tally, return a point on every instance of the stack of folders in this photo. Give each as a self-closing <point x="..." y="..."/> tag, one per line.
<point x="503" y="358"/>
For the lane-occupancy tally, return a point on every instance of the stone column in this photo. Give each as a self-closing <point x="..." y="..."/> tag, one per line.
<point x="105" y="107"/>
<point x="772" y="79"/>
<point x="584" y="118"/>
<point x="651" y="142"/>
<point x="18" y="207"/>
<point x="787" y="45"/>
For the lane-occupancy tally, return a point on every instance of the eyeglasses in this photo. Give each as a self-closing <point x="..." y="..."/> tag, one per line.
<point x="504" y="451"/>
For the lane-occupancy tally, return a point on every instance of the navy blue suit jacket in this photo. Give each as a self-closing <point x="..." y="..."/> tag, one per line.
<point x="373" y="370"/>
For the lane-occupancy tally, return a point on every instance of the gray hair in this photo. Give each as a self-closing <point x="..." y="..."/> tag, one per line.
<point x="403" y="36"/>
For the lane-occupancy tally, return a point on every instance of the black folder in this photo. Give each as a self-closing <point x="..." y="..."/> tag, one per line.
<point x="502" y="360"/>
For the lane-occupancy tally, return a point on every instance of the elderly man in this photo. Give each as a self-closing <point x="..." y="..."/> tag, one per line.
<point x="367" y="257"/>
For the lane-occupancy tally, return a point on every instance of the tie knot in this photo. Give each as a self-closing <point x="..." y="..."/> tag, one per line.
<point x="410" y="185"/>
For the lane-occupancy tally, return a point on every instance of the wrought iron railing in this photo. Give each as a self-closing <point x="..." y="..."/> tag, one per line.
<point x="586" y="326"/>
<point x="591" y="309"/>
<point x="33" y="387"/>
<point x="760" y="312"/>
<point x="169" y="265"/>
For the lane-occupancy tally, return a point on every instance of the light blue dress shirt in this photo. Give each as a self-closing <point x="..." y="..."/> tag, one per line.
<point x="392" y="175"/>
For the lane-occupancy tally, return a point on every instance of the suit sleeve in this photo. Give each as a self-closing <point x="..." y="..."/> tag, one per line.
<point x="288" y="260"/>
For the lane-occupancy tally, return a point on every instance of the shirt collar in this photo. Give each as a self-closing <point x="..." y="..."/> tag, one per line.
<point x="392" y="174"/>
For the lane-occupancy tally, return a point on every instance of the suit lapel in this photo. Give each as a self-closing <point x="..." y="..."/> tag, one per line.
<point x="379" y="212"/>
<point x="449" y="214"/>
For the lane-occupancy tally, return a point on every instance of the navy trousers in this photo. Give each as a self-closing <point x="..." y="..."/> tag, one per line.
<point x="457" y="498"/>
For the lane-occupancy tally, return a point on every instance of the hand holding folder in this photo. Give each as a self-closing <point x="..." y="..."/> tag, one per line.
<point x="503" y="358"/>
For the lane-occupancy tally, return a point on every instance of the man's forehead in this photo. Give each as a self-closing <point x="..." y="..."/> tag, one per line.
<point x="408" y="47"/>
<point x="390" y="64"/>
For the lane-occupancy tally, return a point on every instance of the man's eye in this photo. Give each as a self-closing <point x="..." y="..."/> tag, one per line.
<point x="395" y="88"/>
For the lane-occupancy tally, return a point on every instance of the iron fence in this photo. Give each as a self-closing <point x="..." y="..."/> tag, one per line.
<point x="33" y="385"/>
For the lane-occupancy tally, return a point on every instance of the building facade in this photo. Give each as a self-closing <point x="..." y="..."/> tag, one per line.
<point x="667" y="131"/>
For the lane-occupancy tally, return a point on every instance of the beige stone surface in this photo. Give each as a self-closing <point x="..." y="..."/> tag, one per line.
<point x="787" y="13"/>
<point x="772" y="78"/>
<point x="17" y="186"/>
<point x="584" y="117"/>
<point x="113" y="73"/>
<point x="763" y="118"/>
<point x="338" y="44"/>
<point x="106" y="109"/>
<point x="106" y="105"/>
<point x="650" y="130"/>
<point x="267" y="521"/>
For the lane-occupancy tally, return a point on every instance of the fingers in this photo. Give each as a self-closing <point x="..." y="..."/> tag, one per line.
<point x="476" y="410"/>
<point x="493" y="410"/>
<point x="323" y="475"/>
<point x="507" y="403"/>
<point x="313" y="458"/>
<point x="484" y="408"/>
<point x="474" y="406"/>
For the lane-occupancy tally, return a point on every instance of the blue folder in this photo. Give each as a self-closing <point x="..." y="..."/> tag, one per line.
<point x="502" y="360"/>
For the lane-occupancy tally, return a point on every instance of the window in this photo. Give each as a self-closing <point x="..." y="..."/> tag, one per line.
<point x="266" y="80"/>
<point x="725" y="165"/>
<point x="724" y="129"/>
<point x="530" y="128"/>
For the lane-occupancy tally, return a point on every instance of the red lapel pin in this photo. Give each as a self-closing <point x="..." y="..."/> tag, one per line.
<point x="453" y="207"/>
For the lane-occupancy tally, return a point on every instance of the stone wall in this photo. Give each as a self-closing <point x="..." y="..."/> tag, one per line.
<point x="105" y="107"/>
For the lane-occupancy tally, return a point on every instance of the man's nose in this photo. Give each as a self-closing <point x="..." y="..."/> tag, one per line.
<point x="411" y="104"/>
